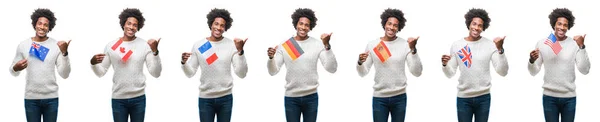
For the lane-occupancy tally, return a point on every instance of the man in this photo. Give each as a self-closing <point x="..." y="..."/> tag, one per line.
<point x="127" y="56"/>
<point x="39" y="55"/>
<point x="215" y="55"/>
<point x="559" y="54"/>
<point x="391" y="54"/>
<point x="472" y="55"/>
<point x="300" y="55"/>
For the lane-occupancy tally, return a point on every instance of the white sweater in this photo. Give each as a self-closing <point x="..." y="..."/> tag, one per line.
<point x="476" y="80"/>
<point x="215" y="79"/>
<point x="390" y="78"/>
<point x="301" y="76"/>
<point x="41" y="79"/>
<point x="559" y="76"/>
<point x="129" y="80"/>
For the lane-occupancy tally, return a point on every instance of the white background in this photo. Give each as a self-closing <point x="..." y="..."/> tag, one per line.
<point x="344" y="96"/>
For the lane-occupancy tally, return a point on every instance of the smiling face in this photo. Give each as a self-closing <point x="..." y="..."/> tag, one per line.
<point x="391" y="27"/>
<point x="130" y="27"/>
<point x="475" y="28"/>
<point x="560" y="28"/>
<point x="217" y="28"/>
<point x="42" y="27"/>
<point x="303" y="27"/>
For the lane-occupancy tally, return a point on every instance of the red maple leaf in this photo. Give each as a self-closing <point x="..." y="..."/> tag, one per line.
<point x="122" y="49"/>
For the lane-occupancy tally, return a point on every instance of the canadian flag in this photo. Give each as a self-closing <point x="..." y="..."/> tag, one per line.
<point x="123" y="52"/>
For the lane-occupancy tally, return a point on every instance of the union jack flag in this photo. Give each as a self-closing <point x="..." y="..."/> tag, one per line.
<point x="465" y="56"/>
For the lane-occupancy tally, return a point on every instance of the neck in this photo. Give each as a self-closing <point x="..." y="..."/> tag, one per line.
<point x="126" y="38"/>
<point x="561" y="39"/>
<point x="386" y="38"/>
<point x="471" y="38"/>
<point x="298" y="38"/>
<point x="39" y="38"/>
<point x="214" y="39"/>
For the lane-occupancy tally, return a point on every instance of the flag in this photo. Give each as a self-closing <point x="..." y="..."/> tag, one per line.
<point x="554" y="45"/>
<point x="208" y="52"/>
<point x="382" y="51"/>
<point x="292" y="48"/>
<point x="123" y="52"/>
<point x="465" y="56"/>
<point x="39" y="51"/>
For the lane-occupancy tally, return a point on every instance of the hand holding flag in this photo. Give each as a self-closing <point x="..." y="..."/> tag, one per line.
<point x="445" y="59"/>
<point x="185" y="56"/>
<point x="579" y="39"/>
<point x="97" y="59"/>
<point x="22" y="64"/>
<point x="63" y="46"/>
<point x="363" y="57"/>
<point x="533" y="55"/>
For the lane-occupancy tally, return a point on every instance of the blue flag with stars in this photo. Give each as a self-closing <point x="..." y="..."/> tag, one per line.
<point x="38" y="51"/>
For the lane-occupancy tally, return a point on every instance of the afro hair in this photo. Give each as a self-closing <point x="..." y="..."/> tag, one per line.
<point x="479" y="13"/>
<point x="222" y="13"/>
<point x="304" y="12"/>
<point x="43" y="12"/>
<point x="393" y="13"/>
<point x="132" y="12"/>
<point x="561" y="12"/>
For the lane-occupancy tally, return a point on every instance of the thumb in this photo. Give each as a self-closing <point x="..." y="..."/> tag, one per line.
<point x="245" y="40"/>
<point x="584" y="35"/>
<point x="69" y="42"/>
<point x="158" y="41"/>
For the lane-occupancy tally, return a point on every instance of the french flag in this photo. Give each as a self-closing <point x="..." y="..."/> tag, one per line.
<point x="123" y="52"/>
<point x="208" y="52"/>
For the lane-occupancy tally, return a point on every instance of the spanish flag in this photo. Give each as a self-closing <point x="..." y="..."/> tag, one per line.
<point x="292" y="48"/>
<point x="382" y="51"/>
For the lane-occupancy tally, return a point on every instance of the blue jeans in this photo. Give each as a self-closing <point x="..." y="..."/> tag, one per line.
<point x="306" y="105"/>
<point x="384" y="106"/>
<point x="134" y="107"/>
<point x="478" y="106"/>
<point x="209" y="107"/>
<point x="553" y="106"/>
<point x="36" y="108"/>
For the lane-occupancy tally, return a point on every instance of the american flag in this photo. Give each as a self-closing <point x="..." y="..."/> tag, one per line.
<point x="465" y="56"/>
<point x="554" y="45"/>
<point x="39" y="51"/>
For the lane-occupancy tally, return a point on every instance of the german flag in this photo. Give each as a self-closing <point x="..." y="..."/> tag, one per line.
<point x="382" y="51"/>
<point x="292" y="48"/>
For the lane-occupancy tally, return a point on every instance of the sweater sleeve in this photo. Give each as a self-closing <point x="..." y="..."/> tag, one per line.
<point x="240" y="66"/>
<point x="153" y="64"/>
<point x="328" y="60"/>
<point x="18" y="57"/>
<point x="100" y="69"/>
<point x="191" y="66"/>
<point x="274" y="65"/>
<point x="414" y="64"/>
<point x="500" y="63"/>
<point x="534" y="68"/>
<point x="63" y="66"/>
<point x="582" y="61"/>
<point x="364" y="69"/>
